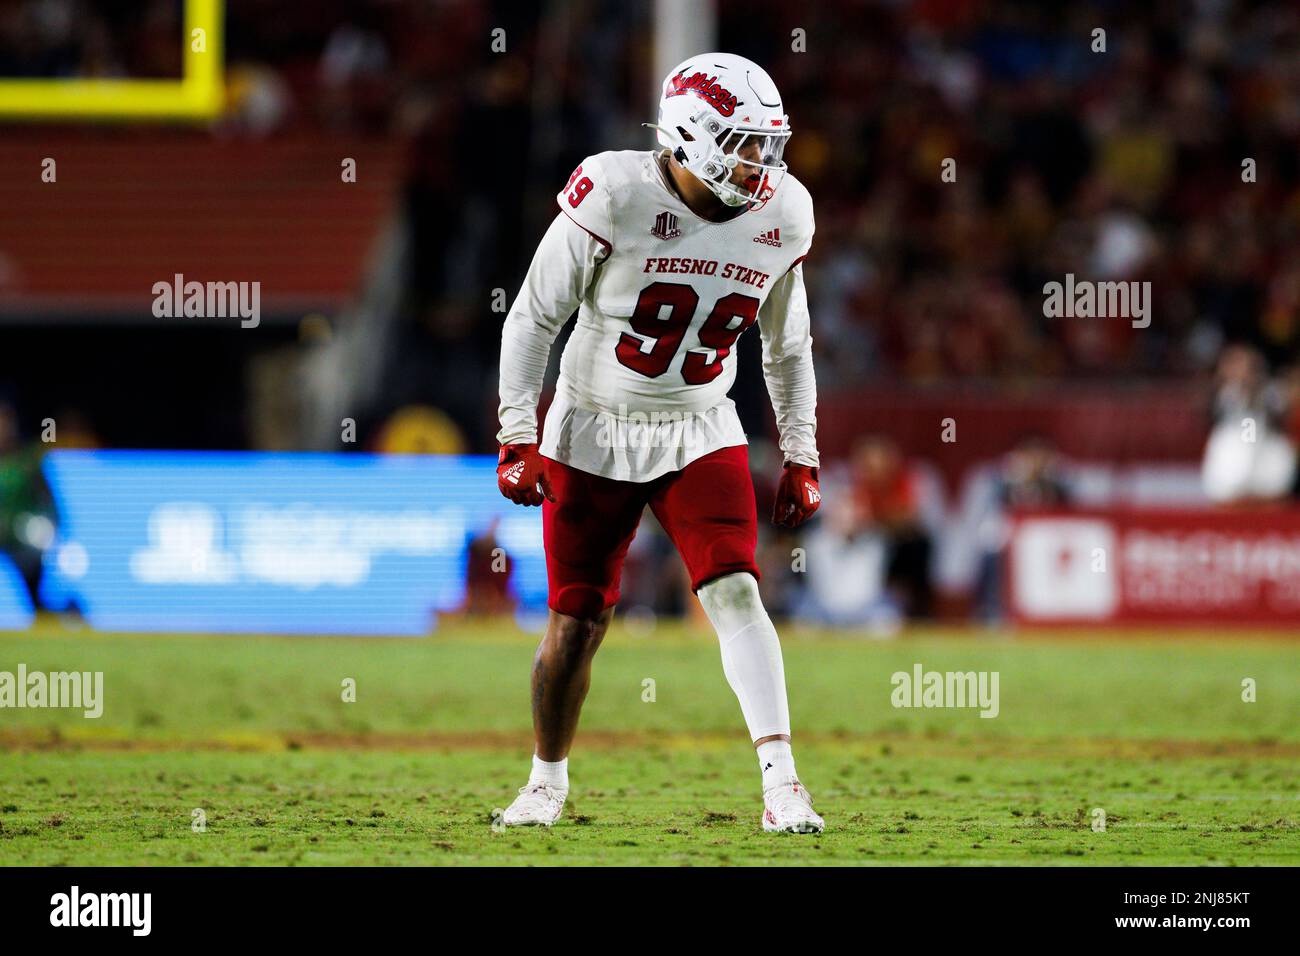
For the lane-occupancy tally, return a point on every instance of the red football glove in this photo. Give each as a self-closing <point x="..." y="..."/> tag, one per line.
<point x="521" y="475"/>
<point x="797" y="497"/>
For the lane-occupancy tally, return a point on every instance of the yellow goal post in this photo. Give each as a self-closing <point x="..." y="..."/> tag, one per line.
<point x="197" y="95"/>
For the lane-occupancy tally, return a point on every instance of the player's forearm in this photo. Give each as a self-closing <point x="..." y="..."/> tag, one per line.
<point x="525" y="351"/>
<point x="788" y="368"/>
<point x="561" y="269"/>
<point x="792" y="385"/>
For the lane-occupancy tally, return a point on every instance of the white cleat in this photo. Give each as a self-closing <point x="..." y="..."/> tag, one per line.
<point x="787" y="808"/>
<point x="537" y="805"/>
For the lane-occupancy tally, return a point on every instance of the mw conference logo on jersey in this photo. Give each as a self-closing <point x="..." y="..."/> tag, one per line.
<point x="665" y="226"/>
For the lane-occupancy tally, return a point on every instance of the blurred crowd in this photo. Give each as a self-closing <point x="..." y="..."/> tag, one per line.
<point x="1118" y="165"/>
<point x="90" y="38"/>
<point x="1116" y="155"/>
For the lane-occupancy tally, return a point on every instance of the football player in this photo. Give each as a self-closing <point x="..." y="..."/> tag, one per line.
<point x="668" y="256"/>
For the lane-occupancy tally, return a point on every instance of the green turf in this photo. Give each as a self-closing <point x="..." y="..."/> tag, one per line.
<point x="254" y="732"/>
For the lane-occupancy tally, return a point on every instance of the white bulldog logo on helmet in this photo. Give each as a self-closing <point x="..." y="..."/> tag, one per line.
<point x="721" y="116"/>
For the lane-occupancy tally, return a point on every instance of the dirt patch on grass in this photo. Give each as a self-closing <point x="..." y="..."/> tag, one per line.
<point x="882" y="745"/>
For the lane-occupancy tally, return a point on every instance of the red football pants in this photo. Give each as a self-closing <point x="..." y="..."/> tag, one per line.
<point x="707" y="509"/>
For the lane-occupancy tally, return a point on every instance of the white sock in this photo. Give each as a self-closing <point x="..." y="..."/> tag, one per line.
<point x="554" y="774"/>
<point x="751" y="653"/>
<point x="776" y="762"/>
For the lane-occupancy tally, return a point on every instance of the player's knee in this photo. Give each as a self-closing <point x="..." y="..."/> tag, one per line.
<point x="579" y="636"/>
<point x="736" y="591"/>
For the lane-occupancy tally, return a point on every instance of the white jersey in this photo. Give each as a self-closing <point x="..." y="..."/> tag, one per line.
<point x="662" y="296"/>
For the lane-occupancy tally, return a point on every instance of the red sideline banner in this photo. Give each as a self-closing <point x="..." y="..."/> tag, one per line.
<point x="1161" y="566"/>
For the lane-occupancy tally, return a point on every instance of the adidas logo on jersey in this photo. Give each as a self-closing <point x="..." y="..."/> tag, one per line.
<point x="665" y="226"/>
<point x="770" y="238"/>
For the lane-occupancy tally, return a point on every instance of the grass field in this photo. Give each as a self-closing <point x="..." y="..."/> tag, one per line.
<point x="254" y="733"/>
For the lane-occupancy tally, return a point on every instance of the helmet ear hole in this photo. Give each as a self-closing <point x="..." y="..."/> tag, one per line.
<point x="679" y="154"/>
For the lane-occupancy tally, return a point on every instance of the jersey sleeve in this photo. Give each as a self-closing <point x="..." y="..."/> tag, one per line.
<point x="785" y="327"/>
<point x="586" y="199"/>
<point x="804" y="225"/>
<point x="563" y="267"/>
